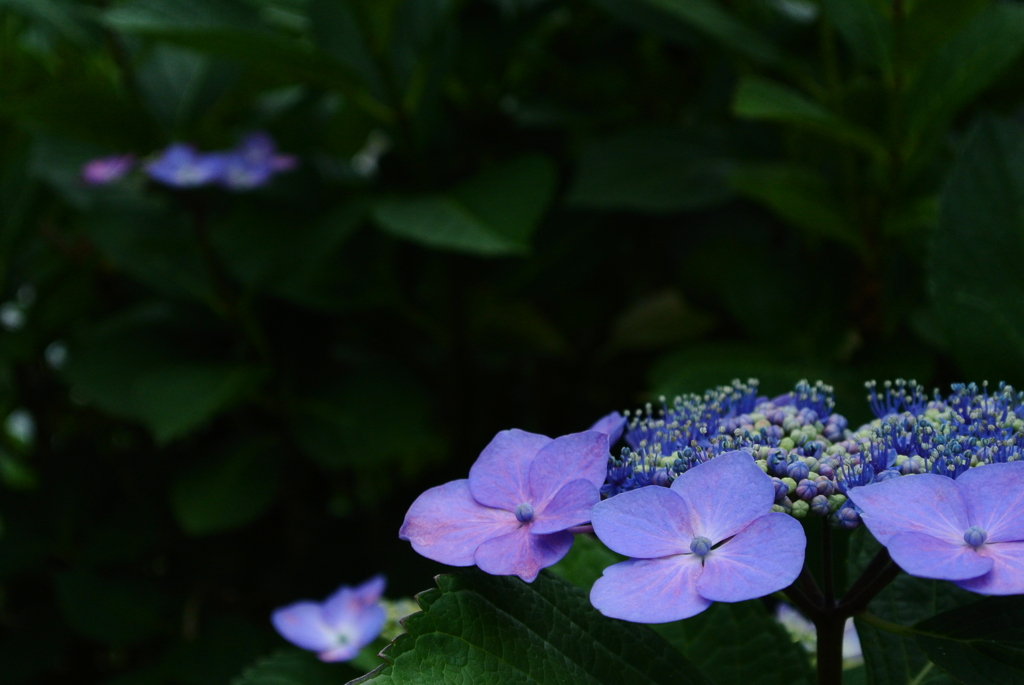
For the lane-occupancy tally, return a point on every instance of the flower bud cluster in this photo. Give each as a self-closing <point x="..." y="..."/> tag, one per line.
<point x="814" y="459"/>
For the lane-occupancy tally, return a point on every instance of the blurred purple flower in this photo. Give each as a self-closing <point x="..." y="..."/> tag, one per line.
<point x="710" y="537"/>
<point x="969" y="530"/>
<point x="254" y="162"/>
<point x="512" y="515"/>
<point x="337" y="628"/>
<point x="104" y="170"/>
<point x="182" y="166"/>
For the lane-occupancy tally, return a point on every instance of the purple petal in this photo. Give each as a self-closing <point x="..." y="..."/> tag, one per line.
<point x="925" y="556"/>
<point x="446" y="524"/>
<point x="994" y="494"/>
<point x="725" y="494"/>
<point x="1007" y="574"/>
<point x="571" y="506"/>
<point x="107" y="169"/>
<point x="501" y="472"/>
<point x="521" y="553"/>
<point x="923" y="503"/>
<point x="650" y="590"/>
<point x="647" y="523"/>
<point x="302" y="624"/>
<point x="763" y="558"/>
<point x="358" y="631"/>
<point x="611" y="425"/>
<point x="348" y="601"/>
<point x="580" y="456"/>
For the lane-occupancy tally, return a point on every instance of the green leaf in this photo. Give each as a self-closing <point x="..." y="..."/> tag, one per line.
<point x="117" y="611"/>
<point x="696" y="368"/>
<point x="585" y="562"/>
<point x="739" y="644"/>
<point x="766" y="100"/>
<point x="979" y="644"/>
<point x="662" y="170"/>
<point x="179" y="84"/>
<point x="492" y="630"/>
<point x="137" y="367"/>
<point x="894" y="659"/>
<point x="800" y="196"/>
<point x="977" y="283"/>
<point x="492" y="214"/>
<point x="866" y="29"/>
<point x="227" y="493"/>
<point x="710" y="18"/>
<point x="294" y="667"/>
<point x="963" y="68"/>
<point x="336" y="30"/>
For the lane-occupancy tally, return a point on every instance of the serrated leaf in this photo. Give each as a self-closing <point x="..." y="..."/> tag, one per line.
<point x="979" y="644"/>
<point x="739" y="644"/>
<point x="492" y="214"/>
<point x="666" y="170"/>
<point x="961" y="69"/>
<point x="226" y="493"/>
<point x="766" y="100"/>
<point x="477" y="629"/>
<point x="977" y="250"/>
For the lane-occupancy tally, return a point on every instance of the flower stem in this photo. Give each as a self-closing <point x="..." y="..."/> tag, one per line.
<point x="830" y="647"/>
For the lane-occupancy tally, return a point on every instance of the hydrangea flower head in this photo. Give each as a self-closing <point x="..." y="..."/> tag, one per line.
<point x="337" y="628"/>
<point x="182" y="166"/>
<point x="710" y="537"/>
<point x="104" y="170"/>
<point x="512" y="515"/>
<point x="969" y="530"/>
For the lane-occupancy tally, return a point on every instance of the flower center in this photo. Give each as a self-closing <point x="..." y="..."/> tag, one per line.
<point x="975" y="537"/>
<point x="700" y="546"/>
<point x="524" y="513"/>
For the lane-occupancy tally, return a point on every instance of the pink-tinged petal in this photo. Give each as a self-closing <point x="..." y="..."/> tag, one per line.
<point x="356" y="630"/>
<point x="725" y="494"/>
<point x="303" y="625"/>
<point x="350" y="601"/>
<point x="922" y="503"/>
<point x="925" y="556"/>
<point x="650" y="590"/>
<point x="343" y="653"/>
<point x="499" y="477"/>
<point x="580" y="456"/>
<point x="647" y="523"/>
<point x="1007" y="574"/>
<point x="446" y="524"/>
<point x="611" y="425"/>
<point x="571" y="506"/>
<point x="521" y="553"/>
<point x="763" y="558"/>
<point x="994" y="494"/>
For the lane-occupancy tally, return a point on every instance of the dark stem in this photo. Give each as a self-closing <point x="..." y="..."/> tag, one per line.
<point x="859" y="602"/>
<point x="830" y="647"/>
<point x="871" y="571"/>
<point x="826" y="571"/>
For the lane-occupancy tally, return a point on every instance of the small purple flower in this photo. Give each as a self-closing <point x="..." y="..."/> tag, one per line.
<point x="182" y="166"/>
<point x="253" y="162"/>
<point x="710" y="537"/>
<point x="337" y="628"/>
<point x="969" y="530"/>
<point x="104" y="170"/>
<point x="512" y="515"/>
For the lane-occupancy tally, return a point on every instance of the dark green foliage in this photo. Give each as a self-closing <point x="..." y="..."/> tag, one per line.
<point x="483" y="629"/>
<point x="506" y="213"/>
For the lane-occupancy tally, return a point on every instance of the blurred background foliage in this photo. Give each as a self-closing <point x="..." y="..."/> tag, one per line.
<point x="508" y="213"/>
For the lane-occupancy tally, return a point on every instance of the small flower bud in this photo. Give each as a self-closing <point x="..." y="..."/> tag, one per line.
<point x="797" y="470"/>
<point x="824" y="486"/>
<point x="835" y="501"/>
<point x="800" y="509"/>
<point x="781" y="489"/>
<point x="791" y="484"/>
<point x="524" y="513"/>
<point x="975" y="537"/>
<point x="806" y="490"/>
<point x="700" y="546"/>
<point x="847" y="518"/>
<point x="762" y="464"/>
<point x="787" y="444"/>
<point x="825" y="469"/>
<point x="887" y="474"/>
<point x="820" y="506"/>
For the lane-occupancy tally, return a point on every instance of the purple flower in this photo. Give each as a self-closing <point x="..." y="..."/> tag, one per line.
<point x="253" y="162"/>
<point x="611" y="425"/>
<point x="337" y="628"/>
<point x="710" y="537"/>
<point x="181" y="166"/>
<point x="104" y="170"/>
<point x="511" y="517"/>
<point x="969" y="530"/>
